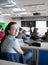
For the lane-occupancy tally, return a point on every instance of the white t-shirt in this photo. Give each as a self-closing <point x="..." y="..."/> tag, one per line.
<point x="9" y="44"/>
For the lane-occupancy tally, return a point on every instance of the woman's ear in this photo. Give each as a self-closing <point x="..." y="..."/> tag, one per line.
<point x="8" y="31"/>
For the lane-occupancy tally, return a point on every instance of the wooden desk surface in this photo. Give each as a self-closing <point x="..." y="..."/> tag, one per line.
<point x="44" y="46"/>
<point x="3" y="62"/>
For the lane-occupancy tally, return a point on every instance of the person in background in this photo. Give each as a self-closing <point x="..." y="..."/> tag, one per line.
<point x="45" y="36"/>
<point x="1" y="33"/>
<point x="11" y="45"/>
<point x="0" y="28"/>
<point x="24" y="35"/>
<point x="30" y="36"/>
<point x="46" y="33"/>
<point x="35" y="34"/>
<point x="30" y="26"/>
<point x="20" y="33"/>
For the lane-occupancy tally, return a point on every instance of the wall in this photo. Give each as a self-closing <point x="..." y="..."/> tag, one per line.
<point x="7" y="19"/>
<point x="37" y="18"/>
<point x="17" y="20"/>
<point x="42" y="30"/>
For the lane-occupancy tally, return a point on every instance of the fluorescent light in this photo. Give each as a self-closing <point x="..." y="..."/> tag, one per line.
<point x="9" y="5"/>
<point x="23" y="9"/>
<point x="0" y="8"/>
<point x="13" y="2"/>
<point x="6" y="14"/>
<point x="0" y="12"/>
<point x="7" y="2"/>
<point x="18" y="9"/>
<point x="25" y="13"/>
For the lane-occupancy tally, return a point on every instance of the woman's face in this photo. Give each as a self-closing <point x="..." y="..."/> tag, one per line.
<point x="13" y="30"/>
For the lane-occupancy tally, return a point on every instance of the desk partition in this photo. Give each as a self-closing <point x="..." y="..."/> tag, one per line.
<point x="42" y="57"/>
<point x="41" y="53"/>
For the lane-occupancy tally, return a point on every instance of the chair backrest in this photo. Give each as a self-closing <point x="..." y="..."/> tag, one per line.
<point x="10" y="57"/>
<point x="43" y="57"/>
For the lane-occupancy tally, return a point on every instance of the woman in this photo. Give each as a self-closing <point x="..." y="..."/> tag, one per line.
<point x="10" y="43"/>
<point x="35" y="34"/>
<point x="24" y="37"/>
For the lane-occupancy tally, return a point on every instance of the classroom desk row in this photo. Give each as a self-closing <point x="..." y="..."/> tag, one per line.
<point x="44" y="46"/>
<point x="39" y="50"/>
<point x="3" y="62"/>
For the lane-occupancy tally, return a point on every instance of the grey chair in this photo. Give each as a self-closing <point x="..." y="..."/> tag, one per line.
<point x="10" y="57"/>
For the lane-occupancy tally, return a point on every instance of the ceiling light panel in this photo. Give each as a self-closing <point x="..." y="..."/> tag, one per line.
<point x="0" y="12"/>
<point x="7" y="3"/>
<point x="25" y="13"/>
<point x="18" y="9"/>
<point x="6" y="14"/>
<point x="13" y="2"/>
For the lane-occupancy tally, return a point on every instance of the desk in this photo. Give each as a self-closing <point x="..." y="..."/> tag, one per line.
<point x="44" y="46"/>
<point x="3" y="62"/>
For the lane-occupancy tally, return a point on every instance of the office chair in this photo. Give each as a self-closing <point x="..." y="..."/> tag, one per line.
<point x="10" y="57"/>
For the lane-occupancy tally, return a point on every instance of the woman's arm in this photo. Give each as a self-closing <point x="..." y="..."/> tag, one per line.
<point x="19" y="50"/>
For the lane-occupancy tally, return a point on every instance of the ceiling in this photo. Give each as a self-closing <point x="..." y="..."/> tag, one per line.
<point x="24" y="8"/>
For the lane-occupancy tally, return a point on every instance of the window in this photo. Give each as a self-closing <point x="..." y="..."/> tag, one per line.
<point x="41" y="24"/>
<point x="47" y="24"/>
<point x="26" y="23"/>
